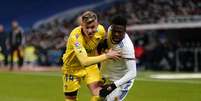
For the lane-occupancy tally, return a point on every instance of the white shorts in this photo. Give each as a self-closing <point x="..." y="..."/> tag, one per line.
<point x="120" y="93"/>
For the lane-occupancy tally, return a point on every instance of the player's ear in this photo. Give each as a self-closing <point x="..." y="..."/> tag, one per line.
<point x="79" y="20"/>
<point x="82" y="24"/>
<point x="97" y="23"/>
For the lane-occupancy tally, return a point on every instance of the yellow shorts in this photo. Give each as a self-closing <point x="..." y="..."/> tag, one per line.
<point x="72" y="80"/>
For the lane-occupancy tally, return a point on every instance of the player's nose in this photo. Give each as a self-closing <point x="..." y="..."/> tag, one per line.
<point x="90" y="30"/>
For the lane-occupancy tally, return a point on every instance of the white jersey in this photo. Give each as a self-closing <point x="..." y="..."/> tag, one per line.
<point x="122" y="72"/>
<point x="114" y="70"/>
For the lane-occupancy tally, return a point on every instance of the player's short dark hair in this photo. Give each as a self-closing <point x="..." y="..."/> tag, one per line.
<point x="119" y="20"/>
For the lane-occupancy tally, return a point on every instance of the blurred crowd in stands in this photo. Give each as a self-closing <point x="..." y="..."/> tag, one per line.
<point x="45" y="45"/>
<point x="155" y="11"/>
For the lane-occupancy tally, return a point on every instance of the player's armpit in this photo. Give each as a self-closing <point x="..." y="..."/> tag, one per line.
<point x="102" y="46"/>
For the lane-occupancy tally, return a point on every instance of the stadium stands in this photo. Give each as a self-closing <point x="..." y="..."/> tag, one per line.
<point x="49" y="38"/>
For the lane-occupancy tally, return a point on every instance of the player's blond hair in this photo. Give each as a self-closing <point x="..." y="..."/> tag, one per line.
<point x="88" y="17"/>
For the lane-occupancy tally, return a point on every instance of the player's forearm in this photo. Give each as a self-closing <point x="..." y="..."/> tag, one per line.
<point x="86" y="61"/>
<point x="130" y="75"/>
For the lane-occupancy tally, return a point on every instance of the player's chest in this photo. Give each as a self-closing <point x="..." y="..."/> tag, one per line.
<point x="119" y="46"/>
<point x="115" y="64"/>
<point x="91" y="44"/>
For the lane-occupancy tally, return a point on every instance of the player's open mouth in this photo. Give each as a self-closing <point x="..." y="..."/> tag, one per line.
<point x="116" y="39"/>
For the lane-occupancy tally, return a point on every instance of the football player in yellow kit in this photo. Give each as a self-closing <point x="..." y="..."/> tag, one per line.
<point x="80" y="58"/>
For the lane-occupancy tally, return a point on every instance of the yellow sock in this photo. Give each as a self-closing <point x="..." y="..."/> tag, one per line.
<point x="96" y="98"/>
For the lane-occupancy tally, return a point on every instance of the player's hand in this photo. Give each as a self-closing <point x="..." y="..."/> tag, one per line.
<point x="107" y="89"/>
<point x="113" y="54"/>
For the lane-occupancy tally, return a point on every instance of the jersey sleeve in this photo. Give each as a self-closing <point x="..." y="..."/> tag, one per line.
<point x="78" y="46"/>
<point x="128" y="51"/>
<point x="130" y="75"/>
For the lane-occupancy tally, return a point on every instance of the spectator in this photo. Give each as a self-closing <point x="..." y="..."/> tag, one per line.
<point x="16" y="39"/>
<point x="3" y="44"/>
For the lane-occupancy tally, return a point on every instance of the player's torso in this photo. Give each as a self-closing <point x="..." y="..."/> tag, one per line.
<point x="90" y="45"/>
<point x="115" y="69"/>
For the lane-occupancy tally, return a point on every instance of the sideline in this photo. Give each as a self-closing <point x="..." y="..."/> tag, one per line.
<point x="177" y="76"/>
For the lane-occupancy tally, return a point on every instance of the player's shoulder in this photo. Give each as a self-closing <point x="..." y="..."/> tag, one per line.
<point x="75" y="34"/>
<point x="100" y="31"/>
<point x="128" y="44"/>
<point x="76" y="30"/>
<point x="128" y="48"/>
<point x="127" y="39"/>
<point x="101" y="27"/>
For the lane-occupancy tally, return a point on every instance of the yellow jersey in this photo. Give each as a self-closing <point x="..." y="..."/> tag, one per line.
<point x="79" y="45"/>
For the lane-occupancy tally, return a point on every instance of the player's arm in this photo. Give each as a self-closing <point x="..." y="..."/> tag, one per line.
<point x="129" y="58"/>
<point x="130" y="75"/>
<point x="85" y="60"/>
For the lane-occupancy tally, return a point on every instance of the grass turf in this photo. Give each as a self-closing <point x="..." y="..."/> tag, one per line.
<point x="47" y="86"/>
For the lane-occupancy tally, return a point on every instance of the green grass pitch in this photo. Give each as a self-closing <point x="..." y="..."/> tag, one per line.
<point x="47" y="86"/>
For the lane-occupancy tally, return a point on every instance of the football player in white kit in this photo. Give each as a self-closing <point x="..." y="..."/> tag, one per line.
<point x="120" y="73"/>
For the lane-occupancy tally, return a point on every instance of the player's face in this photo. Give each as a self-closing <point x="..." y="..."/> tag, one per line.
<point x="90" y="29"/>
<point x="118" y="33"/>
